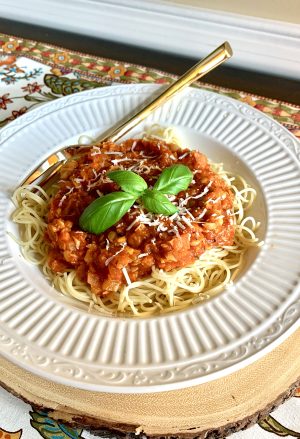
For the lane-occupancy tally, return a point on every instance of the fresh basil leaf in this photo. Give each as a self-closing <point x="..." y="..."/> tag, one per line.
<point x="174" y="179"/>
<point x="129" y="181"/>
<point x="105" y="211"/>
<point x="156" y="202"/>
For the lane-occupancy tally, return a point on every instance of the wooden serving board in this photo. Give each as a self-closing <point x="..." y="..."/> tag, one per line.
<point x="210" y="410"/>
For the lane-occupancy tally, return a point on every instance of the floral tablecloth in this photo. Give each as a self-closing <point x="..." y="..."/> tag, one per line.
<point x="33" y="73"/>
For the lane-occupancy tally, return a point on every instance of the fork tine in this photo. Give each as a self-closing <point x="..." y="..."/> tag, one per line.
<point x="46" y="166"/>
<point x="214" y="59"/>
<point x="52" y="174"/>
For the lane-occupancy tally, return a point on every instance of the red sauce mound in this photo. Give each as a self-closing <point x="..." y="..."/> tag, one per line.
<point x="140" y="240"/>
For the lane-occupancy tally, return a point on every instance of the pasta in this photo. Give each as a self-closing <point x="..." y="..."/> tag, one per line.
<point x="162" y="291"/>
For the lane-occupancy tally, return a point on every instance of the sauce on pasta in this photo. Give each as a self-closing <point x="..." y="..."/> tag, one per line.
<point x="140" y="241"/>
<point x="145" y="264"/>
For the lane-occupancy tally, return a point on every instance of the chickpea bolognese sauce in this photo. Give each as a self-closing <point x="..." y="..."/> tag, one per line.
<point x="146" y="262"/>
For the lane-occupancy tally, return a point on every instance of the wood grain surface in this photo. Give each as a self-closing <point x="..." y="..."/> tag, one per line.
<point x="210" y="410"/>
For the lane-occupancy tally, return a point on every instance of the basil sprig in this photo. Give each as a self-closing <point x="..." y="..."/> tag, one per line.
<point x="106" y="211"/>
<point x="129" y="181"/>
<point x="174" y="179"/>
<point x="156" y="202"/>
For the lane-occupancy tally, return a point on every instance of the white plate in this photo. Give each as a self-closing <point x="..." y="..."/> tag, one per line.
<point x="42" y="331"/>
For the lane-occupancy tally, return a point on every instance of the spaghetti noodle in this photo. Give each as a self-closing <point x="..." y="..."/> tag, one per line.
<point x="161" y="291"/>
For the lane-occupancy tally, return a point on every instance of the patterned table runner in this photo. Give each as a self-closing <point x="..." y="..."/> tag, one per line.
<point x="33" y="73"/>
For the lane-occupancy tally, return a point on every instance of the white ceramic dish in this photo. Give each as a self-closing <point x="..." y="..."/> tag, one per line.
<point x="44" y="332"/>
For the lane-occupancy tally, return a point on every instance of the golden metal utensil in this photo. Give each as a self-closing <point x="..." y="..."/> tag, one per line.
<point x="54" y="162"/>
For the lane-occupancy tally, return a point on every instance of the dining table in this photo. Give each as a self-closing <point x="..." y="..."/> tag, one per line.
<point x="39" y="65"/>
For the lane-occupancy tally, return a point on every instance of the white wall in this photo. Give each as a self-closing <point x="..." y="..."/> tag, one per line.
<point x="281" y="10"/>
<point x="176" y="26"/>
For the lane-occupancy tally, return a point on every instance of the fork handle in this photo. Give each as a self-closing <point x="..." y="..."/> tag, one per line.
<point x="217" y="57"/>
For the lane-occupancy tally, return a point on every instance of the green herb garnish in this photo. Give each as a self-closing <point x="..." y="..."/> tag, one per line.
<point x="156" y="202"/>
<point x="106" y="211"/>
<point x="129" y="181"/>
<point x="174" y="179"/>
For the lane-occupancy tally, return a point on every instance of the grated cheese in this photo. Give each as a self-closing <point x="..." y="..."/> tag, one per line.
<point x="117" y="161"/>
<point x="190" y="214"/>
<point x="202" y="214"/>
<point x="97" y="151"/>
<point x="184" y="201"/>
<point x="134" y="145"/>
<point x="186" y="221"/>
<point x="179" y="224"/>
<point x="65" y="196"/>
<point x="214" y="201"/>
<point x="172" y="217"/>
<point x="123" y="245"/>
<point x="78" y="180"/>
<point x="161" y="228"/>
<point x="126" y="275"/>
<point x="142" y="255"/>
<point x="174" y="229"/>
<point x="95" y="173"/>
<point x="114" y="152"/>
<point x="132" y="224"/>
<point x="183" y="155"/>
<point x="147" y="156"/>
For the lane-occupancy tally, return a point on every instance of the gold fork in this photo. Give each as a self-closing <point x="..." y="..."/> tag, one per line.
<point x="54" y="162"/>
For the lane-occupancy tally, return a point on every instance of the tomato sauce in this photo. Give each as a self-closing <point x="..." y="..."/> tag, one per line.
<point x="140" y="240"/>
